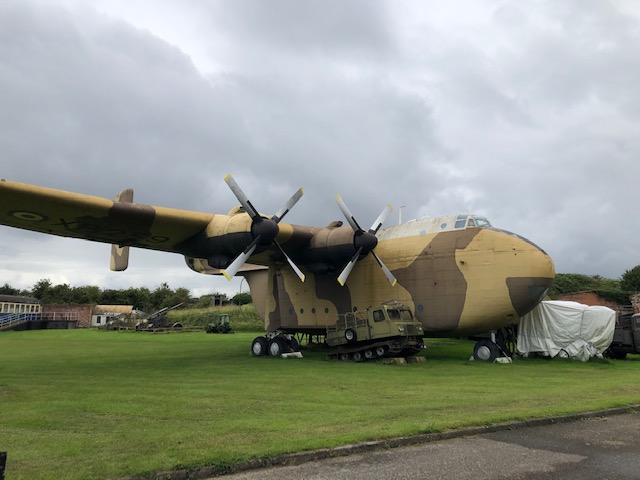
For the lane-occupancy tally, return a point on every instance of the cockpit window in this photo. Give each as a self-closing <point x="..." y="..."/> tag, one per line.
<point x="461" y="221"/>
<point x="481" y="222"/>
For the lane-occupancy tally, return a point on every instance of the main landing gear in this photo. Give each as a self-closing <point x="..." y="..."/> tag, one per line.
<point x="501" y="344"/>
<point x="274" y="344"/>
<point x="486" y="351"/>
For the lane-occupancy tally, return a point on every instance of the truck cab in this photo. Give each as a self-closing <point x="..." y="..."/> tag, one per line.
<point x="389" y="329"/>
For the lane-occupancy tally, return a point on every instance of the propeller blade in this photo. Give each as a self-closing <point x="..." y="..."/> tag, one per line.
<point x="295" y="268"/>
<point x="385" y="270"/>
<point x="367" y="241"/>
<point x="242" y="198"/>
<point x="342" y="279"/>
<point x="240" y="260"/>
<point x="287" y="206"/>
<point x="263" y="228"/>
<point x="347" y="214"/>
<point x="380" y="220"/>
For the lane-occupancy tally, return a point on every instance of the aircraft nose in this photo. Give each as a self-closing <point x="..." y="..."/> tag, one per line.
<point x="533" y="278"/>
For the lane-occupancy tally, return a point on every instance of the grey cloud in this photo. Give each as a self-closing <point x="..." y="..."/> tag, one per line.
<point x="528" y="115"/>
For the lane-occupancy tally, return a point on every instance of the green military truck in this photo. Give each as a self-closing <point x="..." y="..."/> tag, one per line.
<point x="626" y="337"/>
<point x="387" y="330"/>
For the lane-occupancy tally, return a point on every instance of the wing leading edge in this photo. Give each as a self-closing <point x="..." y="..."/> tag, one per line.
<point x="215" y="239"/>
<point x="67" y="214"/>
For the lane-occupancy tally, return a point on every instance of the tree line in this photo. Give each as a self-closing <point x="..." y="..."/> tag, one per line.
<point x="144" y="299"/>
<point x="141" y="298"/>
<point x="616" y="290"/>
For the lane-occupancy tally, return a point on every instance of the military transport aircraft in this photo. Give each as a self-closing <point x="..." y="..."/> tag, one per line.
<point x="458" y="274"/>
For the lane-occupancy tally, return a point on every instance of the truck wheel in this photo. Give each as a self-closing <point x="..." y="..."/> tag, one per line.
<point x="368" y="354"/>
<point x="486" y="351"/>
<point x="357" y="356"/>
<point x="380" y="351"/>
<point x="277" y="346"/>
<point x="350" y="335"/>
<point x="259" y="347"/>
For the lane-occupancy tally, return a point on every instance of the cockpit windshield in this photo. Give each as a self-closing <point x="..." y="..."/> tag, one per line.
<point x="481" y="221"/>
<point x="463" y="221"/>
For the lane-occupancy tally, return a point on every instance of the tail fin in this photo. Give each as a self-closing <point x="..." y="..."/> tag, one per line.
<point x="120" y="255"/>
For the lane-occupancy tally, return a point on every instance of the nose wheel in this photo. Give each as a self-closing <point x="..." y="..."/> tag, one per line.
<point x="486" y="351"/>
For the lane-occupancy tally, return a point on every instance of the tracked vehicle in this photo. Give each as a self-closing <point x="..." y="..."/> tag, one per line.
<point x="387" y="330"/>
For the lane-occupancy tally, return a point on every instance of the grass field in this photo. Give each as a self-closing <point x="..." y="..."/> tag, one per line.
<point x="87" y="404"/>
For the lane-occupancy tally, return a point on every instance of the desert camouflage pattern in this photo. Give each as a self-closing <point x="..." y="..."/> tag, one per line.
<point x="458" y="281"/>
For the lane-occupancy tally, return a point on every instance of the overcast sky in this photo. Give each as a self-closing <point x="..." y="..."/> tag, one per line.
<point x="527" y="112"/>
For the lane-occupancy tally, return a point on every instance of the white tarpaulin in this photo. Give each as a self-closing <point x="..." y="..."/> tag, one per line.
<point x="566" y="328"/>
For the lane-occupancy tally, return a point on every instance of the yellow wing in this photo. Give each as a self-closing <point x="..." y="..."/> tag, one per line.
<point x="98" y="219"/>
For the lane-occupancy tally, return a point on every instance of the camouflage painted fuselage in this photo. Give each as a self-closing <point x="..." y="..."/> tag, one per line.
<point x="458" y="282"/>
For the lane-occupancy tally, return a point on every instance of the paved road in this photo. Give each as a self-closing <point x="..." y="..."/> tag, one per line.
<point x="605" y="448"/>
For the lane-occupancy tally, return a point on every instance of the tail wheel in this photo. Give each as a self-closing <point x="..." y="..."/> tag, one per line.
<point x="350" y="335"/>
<point x="380" y="351"/>
<point x="259" y="347"/>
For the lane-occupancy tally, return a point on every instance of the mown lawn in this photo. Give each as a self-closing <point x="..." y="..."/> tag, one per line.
<point x="87" y="404"/>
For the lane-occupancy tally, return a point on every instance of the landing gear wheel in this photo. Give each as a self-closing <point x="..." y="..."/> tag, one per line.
<point x="380" y="351"/>
<point x="277" y="346"/>
<point x="486" y="351"/>
<point x="259" y="347"/>
<point x="357" y="356"/>
<point x="368" y="354"/>
<point x="350" y="335"/>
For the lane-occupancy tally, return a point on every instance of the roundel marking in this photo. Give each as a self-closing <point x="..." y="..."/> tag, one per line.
<point x="28" y="216"/>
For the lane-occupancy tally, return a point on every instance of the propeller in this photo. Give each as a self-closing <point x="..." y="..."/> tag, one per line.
<point x="364" y="241"/>
<point x="264" y="230"/>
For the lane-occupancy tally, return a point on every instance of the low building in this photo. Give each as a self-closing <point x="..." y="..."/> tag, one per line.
<point x="80" y="314"/>
<point x="593" y="299"/>
<point x="103" y="314"/>
<point x="84" y="315"/>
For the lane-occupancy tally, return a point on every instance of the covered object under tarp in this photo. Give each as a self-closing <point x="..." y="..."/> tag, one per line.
<point x="566" y="329"/>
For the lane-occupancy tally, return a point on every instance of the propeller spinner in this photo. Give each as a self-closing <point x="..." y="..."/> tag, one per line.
<point x="364" y="241"/>
<point x="264" y="230"/>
